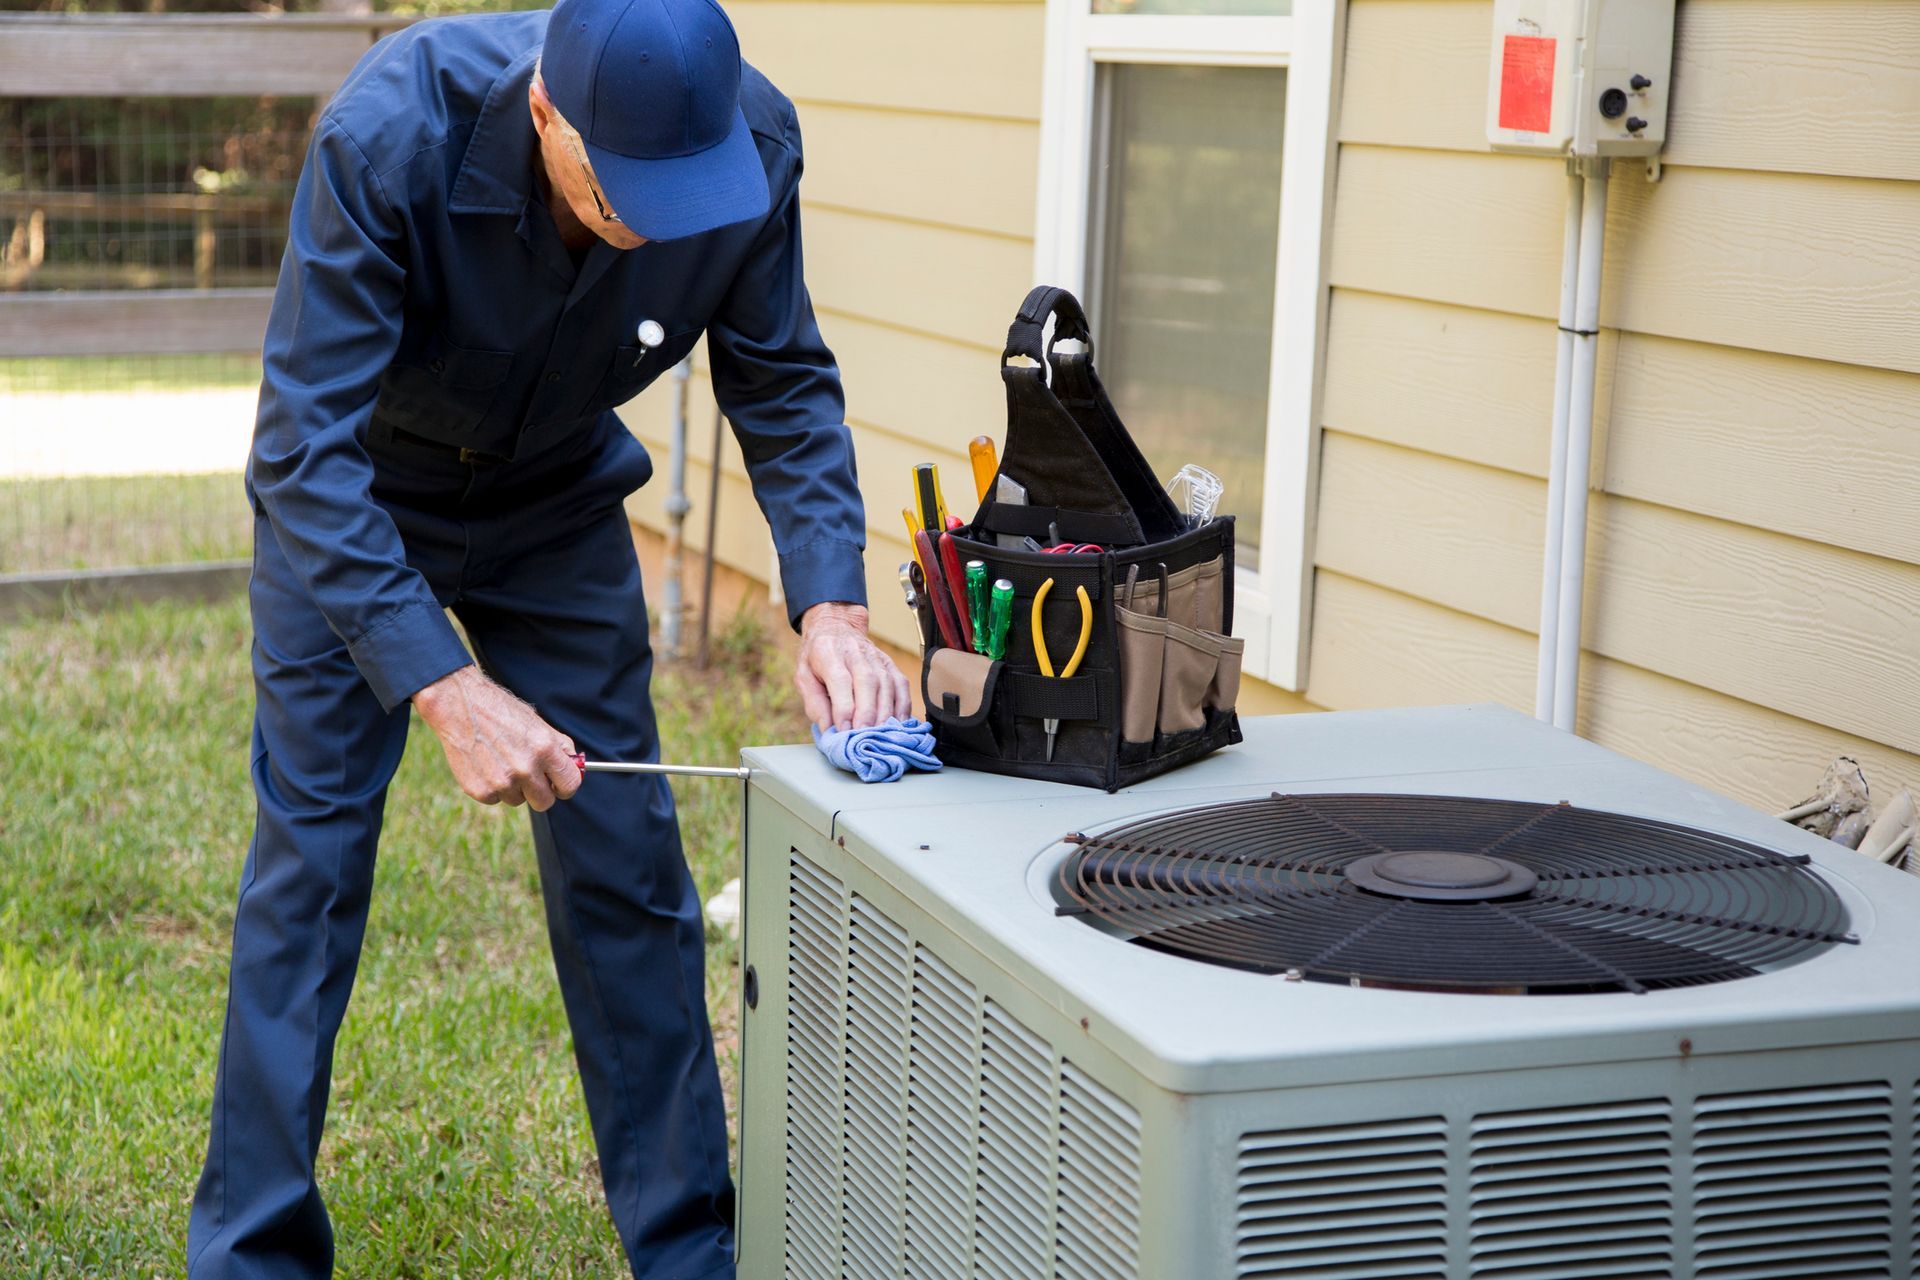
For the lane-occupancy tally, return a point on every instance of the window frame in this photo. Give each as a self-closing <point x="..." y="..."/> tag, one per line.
<point x="1272" y="604"/>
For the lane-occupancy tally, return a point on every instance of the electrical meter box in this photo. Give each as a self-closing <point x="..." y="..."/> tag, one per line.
<point x="1580" y="77"/>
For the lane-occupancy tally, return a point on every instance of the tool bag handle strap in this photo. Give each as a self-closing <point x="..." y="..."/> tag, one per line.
<point x="1047" y="451"/>
<point x="1023" y="336"/>
<point x="1077" y="389"/>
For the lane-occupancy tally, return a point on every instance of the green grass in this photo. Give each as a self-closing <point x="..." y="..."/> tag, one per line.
<point x="457" y="1142"/>
<point x="220" y="371"/>
<point x="113" y="522"/>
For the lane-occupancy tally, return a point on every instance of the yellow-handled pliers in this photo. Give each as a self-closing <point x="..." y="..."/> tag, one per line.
<point x="1046" y="661"/>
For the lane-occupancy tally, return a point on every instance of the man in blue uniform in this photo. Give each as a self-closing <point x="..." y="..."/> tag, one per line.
<point x="507" y="225"/>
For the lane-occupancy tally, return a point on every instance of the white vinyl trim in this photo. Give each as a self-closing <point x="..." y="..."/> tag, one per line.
<point x="1272" y="608"/>
<point x="1300" y="339"/>
<point x="1223" y="42"/>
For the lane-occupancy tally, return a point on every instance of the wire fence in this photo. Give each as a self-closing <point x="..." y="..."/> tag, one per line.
<point x="132" y="170"/>
<point x="144" y="193"/>
<point x="120" y="461"/>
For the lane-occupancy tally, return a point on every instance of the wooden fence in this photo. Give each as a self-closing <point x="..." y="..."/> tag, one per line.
<point x="162" y="56"/>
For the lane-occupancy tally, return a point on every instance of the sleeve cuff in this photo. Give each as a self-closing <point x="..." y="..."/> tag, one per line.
<point x="821" y="571"/>
<point x="407" y="651"/>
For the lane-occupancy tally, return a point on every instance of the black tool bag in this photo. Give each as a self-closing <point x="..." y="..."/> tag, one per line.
<point x="1157" y="685"/>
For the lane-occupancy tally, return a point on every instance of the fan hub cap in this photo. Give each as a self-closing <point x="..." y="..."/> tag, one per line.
<point x="1439" y="875"/>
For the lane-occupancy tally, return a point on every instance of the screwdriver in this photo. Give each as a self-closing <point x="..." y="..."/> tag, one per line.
<point x="980" y="454"/>
<point x="678" y="770"/>
<point x="977" y="602"/>
<point x="1000" y="619"/>
<point x="930" y="506"/>
<point x="913" y="526"/>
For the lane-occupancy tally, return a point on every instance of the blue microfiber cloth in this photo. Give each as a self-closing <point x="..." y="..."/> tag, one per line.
<point x="882" y="753"/>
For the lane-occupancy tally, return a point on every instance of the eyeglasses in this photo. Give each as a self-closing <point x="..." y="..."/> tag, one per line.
<point x="593" y="188"/>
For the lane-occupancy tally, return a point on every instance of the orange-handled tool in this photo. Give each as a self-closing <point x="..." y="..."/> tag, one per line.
<point x="980" y="453"/>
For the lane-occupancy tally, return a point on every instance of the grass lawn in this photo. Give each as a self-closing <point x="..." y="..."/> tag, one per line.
<point x="129" y="373"/>
<point x="457" y="1143"/>
<point x="114" y="522"/>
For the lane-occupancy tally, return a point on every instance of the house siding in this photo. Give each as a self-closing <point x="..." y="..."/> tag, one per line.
<point x="1753" y="572"/>
<point x="1753" y="579"/>
<point x="921" y="125"/>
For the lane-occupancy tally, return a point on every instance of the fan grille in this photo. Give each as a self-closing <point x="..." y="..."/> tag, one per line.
<point x="1451" y="893"/>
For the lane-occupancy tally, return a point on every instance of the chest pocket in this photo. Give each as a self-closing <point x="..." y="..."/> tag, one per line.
<point x="446" y="392"/>
<point x="633" y="367"/>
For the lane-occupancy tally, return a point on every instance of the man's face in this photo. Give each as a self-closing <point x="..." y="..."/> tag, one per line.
<point x="571" y="175"/>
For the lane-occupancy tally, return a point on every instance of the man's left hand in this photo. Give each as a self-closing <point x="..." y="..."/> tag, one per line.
<point x="845" y="682"/>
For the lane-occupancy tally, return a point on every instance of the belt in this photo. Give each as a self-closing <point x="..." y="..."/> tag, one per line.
<point x="472" y="457"/>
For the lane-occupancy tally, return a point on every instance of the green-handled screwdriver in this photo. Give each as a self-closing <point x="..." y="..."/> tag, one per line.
<point x="977" y="602"/>
<point x="1001" y="621"/>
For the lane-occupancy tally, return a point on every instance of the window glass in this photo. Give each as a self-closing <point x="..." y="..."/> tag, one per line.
<point x="1183" y="240"/>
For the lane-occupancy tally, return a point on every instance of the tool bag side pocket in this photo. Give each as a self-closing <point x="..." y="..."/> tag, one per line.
<point x="1194" y="596"/>
<point x="1224" y="692"/>
<point x="1143" y="645"/>
<point x="1187" y="673"/>
<point x="959" y="688"/>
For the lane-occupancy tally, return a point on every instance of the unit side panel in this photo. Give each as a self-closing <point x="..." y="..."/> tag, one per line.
<point x="1777" y="1166"/>
<point x="766" y="1199"/>
<point x="911" y="1111"/>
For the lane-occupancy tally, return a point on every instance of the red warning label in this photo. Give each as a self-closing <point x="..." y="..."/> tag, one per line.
<point x="1526" y="84"/>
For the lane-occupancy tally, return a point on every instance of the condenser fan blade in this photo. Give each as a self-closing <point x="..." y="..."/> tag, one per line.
<point x="1451" y="893"/>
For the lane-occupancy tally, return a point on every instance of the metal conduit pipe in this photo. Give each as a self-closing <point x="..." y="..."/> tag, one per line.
<point x="1573" y="539"/>
<point x="672" y="607"/>
<point x="1557" y="454"/>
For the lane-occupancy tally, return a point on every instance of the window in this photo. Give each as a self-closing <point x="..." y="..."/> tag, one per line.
<point x="1184" y="220"/>
<point x="1185" y="149"/>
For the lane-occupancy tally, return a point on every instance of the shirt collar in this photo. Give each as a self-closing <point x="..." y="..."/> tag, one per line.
<point x="496" y="174"/>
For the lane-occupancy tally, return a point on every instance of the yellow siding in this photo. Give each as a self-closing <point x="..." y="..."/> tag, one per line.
<point x="922" y="141"/>
<point x="1373" y="647"/>
<point x="1754" y="564"/>
<point x="1754" y="260"/>
<point x="1783" y="86"/>
<point x="1824" y="451"/>
<point x="1753" y="570"/>
<point x="901" y="166"/>
<point x="1810" y="629"/>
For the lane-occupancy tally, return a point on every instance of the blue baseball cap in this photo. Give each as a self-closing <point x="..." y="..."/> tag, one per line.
<point x="653" y="88"/>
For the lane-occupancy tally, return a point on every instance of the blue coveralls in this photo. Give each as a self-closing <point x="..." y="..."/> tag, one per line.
<point x="426" y="306"/>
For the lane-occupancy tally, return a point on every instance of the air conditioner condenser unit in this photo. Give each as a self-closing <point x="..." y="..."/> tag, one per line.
<point x="1434" y="994"/>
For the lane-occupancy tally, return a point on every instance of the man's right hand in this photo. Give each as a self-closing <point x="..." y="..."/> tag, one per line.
<point x="498" y="747"/>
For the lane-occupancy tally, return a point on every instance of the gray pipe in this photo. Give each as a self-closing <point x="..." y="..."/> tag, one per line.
<point x="671" y="605"/>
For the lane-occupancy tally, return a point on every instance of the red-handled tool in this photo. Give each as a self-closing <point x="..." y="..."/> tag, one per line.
<point x="937" y="593"/>
<point x="956" y="585"/>
<point x="680" y="770"/>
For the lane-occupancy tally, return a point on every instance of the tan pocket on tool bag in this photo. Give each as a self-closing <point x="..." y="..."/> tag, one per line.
<point x="1194" y="597"/>
<point x="1209" y="599"/>
<point x="1143" y="644"/>
<point x="1186" y="675"/>
<point x="1225" y="689"/>
<point x="958" y="686"/>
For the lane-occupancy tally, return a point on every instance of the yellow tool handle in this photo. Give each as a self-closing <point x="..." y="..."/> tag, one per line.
<point x="1040" y="638"/>
<point x="1086" y="631"/>
<point x="930" y="505"/>
<point x="980" y="453"/>
<point x="913" y="527"/>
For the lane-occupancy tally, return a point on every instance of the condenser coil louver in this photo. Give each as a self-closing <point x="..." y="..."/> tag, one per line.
<point x="948" y="1072"/>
